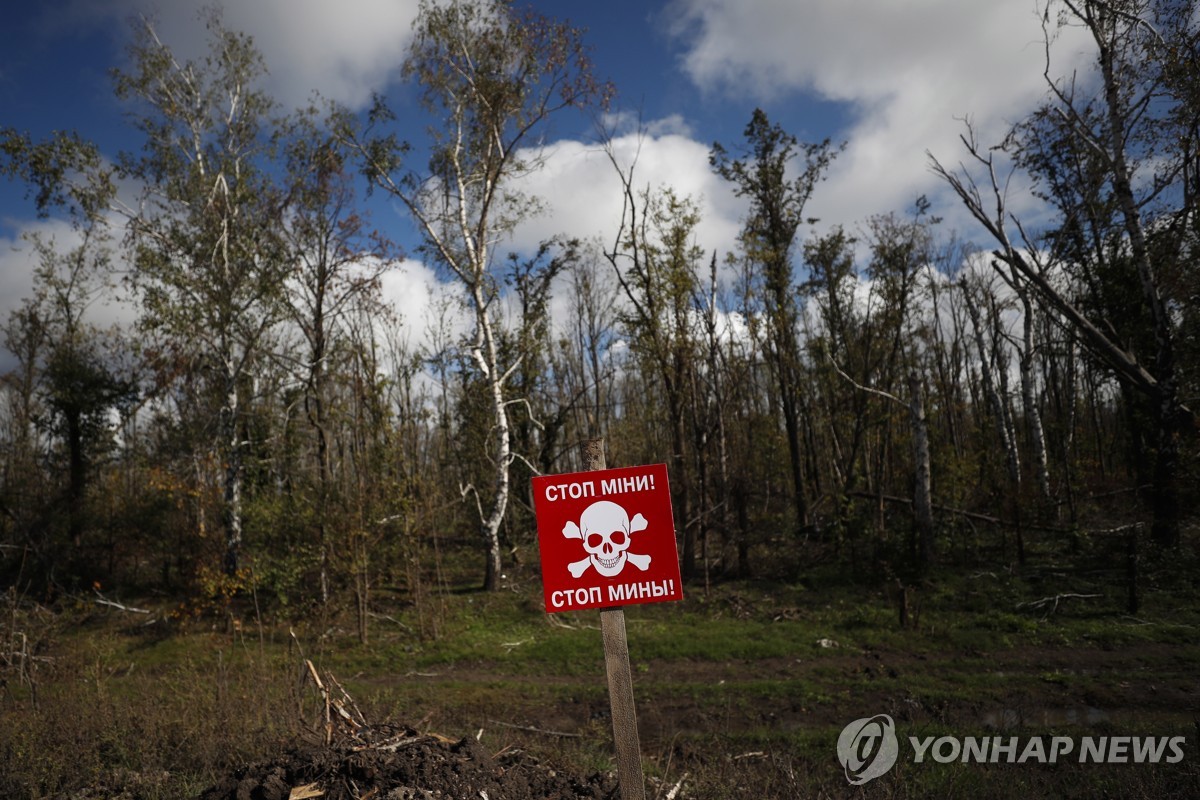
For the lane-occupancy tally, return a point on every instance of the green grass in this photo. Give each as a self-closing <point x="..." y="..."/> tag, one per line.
<point x="732" y="686"/>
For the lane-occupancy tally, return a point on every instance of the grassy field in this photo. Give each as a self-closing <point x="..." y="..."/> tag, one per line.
<point x="742" y="689"/>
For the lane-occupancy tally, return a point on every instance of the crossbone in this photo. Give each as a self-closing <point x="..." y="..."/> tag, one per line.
<point x="605" y="528"/>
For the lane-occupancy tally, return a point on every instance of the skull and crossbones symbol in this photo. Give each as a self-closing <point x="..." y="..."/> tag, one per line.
<point x="605" y="528"/>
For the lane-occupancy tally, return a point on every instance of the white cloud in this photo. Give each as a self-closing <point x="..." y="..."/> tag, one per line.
<point x="582" y="192"/>
<point x="344" y="50"/>
<point x="906" y="68"/>
<point x="581" y="195"/>
<point x="909" y="70"/>
<point x="424" y="305"/>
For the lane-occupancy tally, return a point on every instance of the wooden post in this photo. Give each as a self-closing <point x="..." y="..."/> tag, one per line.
<point x="620" y="677"/>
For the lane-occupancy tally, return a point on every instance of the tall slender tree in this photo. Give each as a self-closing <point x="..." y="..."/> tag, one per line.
<point x="768" y="241"/>
<point x="491" y="79"/>
<point x="336" y="263"/>
<point x="656" y="260"/>
<point x="209" y="260"/>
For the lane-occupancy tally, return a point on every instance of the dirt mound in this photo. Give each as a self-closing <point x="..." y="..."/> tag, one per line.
<point x="391" y="762"/>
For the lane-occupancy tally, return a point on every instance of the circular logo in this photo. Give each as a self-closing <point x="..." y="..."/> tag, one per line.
<point x="868" y="748"/>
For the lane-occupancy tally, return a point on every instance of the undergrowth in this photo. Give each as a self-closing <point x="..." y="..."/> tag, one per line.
<point x="742" y="688"/>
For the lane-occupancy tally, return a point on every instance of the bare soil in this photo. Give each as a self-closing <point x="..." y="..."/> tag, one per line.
<point x="393" y="762"/>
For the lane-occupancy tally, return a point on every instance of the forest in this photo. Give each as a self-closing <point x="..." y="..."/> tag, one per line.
<point x="893" y="394"/>
<point x="887" y="402"/>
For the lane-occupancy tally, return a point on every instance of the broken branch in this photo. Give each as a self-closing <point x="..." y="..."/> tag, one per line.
<point x="530" y="729"/>
<point x="1056" y="599"/>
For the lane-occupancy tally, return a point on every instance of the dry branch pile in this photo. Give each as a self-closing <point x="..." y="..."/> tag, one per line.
<point x="394" y="762"/>
<point x="358" y="760"/>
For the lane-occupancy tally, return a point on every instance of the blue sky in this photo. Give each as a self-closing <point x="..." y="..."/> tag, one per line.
<point x="890" y="78"/>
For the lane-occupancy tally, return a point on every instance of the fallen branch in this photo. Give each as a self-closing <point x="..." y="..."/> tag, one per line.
<point x="510" y="646"/>
<point x="345" y="705"/>
<point x="312" y="671"/>
<point x="530" y="729"/>
<point x="104" y="601"/>
<point x="394" y="744"/>
<point x="674" y="791"/>
<point x="1133" y="526"/>
<point x="936" y="506"/>
<point x="389" y="618"/>
<point x="336" y="708"/>
<point x="305" y="792"/>
<point x="889" y="498"/>
<point x="1055" y="600"/>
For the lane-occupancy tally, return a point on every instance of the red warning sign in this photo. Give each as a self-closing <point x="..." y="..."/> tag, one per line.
<point x="607" y="538"/>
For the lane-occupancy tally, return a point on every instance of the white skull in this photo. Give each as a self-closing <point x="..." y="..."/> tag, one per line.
<point x="605" y="528"/>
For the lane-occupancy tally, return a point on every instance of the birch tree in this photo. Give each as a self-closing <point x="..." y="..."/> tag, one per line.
<point x="208" y="260"/>
<point x="992" y="368"/>
<point x="490" y="80"/>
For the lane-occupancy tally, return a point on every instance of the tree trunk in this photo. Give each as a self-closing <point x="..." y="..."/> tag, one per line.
<point x="77" y="480"/>
<point x="232" y="506"/>
<point x="922" y="471"/>
<point x="317" y="418"/>
<point x="487" y="358"/>
<point x="1165" y="493"/>
<point x="682" y="499"/>
<point x="995" y="401"/>
<point x="1033" y="414"/>
<point x="1167" y="411"/>
<point x="791" y="424"/>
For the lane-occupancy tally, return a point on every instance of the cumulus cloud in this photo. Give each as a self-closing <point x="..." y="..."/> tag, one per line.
<point x="581" y="191"/>
<point x="344" y="50"/>
<point x="909" y="71"/>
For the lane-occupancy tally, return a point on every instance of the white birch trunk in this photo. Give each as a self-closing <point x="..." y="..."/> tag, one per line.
<point x="486" y="358"/>
<point x="1033" y="413"/>
<point x="922" y="470"/>
<point x="231" y="511"/>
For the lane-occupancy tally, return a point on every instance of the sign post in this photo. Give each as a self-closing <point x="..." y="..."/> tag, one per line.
<point x="607" y="539"/>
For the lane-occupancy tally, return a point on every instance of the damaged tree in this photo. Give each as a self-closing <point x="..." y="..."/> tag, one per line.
<point x="1118" y="163"/>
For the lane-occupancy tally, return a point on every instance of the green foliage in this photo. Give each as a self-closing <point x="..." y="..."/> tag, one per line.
<point x="287" y="557"/>
<point x="64" y="172"/>
<point x="272" y="438"/>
